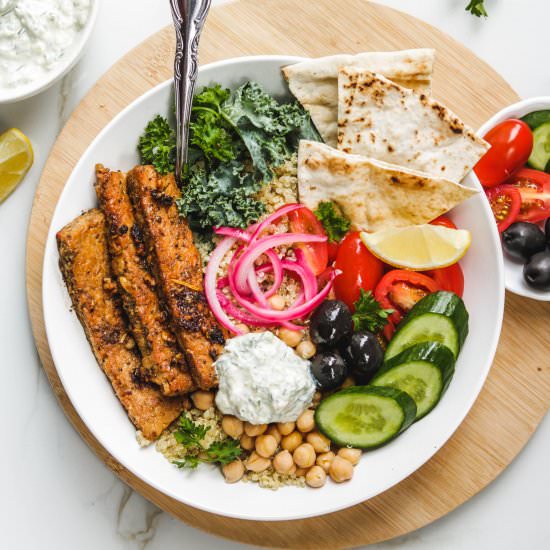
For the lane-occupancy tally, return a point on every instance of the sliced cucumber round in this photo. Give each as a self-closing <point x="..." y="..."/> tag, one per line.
<point x="365" y="417"/>
<point x="439" y="317"/>
<point x="424" y="371"/>
<point x="540" y="156"/>
<point x="537" y="118"/>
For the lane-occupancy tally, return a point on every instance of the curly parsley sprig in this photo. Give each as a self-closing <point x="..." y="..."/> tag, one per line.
<point x="477" y="8"/>
<point x="369" y="314"/>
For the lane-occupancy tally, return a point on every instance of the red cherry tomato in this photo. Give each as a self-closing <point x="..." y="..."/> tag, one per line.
<point x="400" y="290"/>
<point x="534" y="188"/>
<point x="449" y="278"/>
<point x="444" y="222"/>
<point x="505" y="201"/>
<point x="332" y="251"/>
<point x="360" y="269"/>
<point x="316" y="254"/>
<point x="511" y="145"/>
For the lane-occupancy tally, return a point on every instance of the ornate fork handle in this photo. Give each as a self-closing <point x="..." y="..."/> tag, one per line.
<point x="189" y="17"/>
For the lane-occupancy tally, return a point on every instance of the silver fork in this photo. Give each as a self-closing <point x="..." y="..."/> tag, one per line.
<point x="189" y="17"/>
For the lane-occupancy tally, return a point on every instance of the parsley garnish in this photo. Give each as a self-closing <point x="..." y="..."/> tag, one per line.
<point x="477" y="8"/>
<point x="190" y="435"/>
<point x="369" y="315"/>
<point x="157" y="146"/>
<point x="335" y="225"/>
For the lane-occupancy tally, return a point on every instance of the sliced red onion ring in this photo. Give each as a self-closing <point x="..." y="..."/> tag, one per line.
<point x="279" y="213"/>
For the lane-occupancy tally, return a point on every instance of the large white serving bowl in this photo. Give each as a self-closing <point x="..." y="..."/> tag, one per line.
<point x="68" y="61"/>
<point x="93" y="398"/>
<point x="513" y="270"/>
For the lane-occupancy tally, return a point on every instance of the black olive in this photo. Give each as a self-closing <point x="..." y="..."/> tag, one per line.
<point x="363" y="355"/>
<point x="523" y="240"/>
<point x="537" y="271"/>
<point x="331" y="323"/>
<point x="329" y="370"/>
<point x="547" y="229"/>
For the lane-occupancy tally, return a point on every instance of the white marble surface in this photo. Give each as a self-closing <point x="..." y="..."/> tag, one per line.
<point x="54" y="493"/>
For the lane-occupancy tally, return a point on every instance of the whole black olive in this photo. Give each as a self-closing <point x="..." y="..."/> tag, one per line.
<point x="537" y="271"/>
<point x="329" y="370"/>
<point x="331" y="323"/>
<point x="522" y="240"/>
<point x="547" y="229"/>
<point x="363" y="355"/>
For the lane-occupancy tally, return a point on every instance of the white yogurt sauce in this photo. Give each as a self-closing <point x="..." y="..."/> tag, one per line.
<point x="262" y="380"/>
<point x="35" y="35"/>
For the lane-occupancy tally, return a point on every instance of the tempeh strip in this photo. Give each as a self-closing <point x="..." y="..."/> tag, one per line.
<point x="177" y="267"/>
<point x="84" y="262"/>
<point x="162" y="361"/>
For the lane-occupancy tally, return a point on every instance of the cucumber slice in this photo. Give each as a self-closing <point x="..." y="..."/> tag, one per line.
<point x="537" y="118"/>
<point x="439" y="317"/>
<point x="365" y="417"/>
<point x="541" y="147"/>
<point x="424" y="371"/>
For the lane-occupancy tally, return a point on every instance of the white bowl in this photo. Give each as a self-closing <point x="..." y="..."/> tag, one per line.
<point x="91" y="394"/>
<point x="69" y="60"/>
<point x="513" y="270"/>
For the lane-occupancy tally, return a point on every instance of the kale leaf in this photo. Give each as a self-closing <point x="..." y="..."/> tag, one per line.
<point x="369" y="314"/>
<point x="335" y="225"/>
<point x="477" y="8"/>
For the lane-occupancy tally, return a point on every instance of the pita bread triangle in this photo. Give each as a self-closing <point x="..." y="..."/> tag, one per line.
<point x="314" y="82"/>
<point x="373" y="195"/>
<point x="379" y="119"/>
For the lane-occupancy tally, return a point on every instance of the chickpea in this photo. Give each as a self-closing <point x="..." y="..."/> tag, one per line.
<point x="257" y="463"/>
<point x="325" y="460"/>
<point x="341" y="469"/>
<point x="254" y="429"/>
<point x="317" y="396"/>
<point x="290" y="337"/>
<point x="202" y="400"/>
<point x="320" y="443"/>
<point x="291" y="441"/>
<point x="352" y="455"/>
<point x="232" y="426"/>
<point x="316" y="477"/>
<point x="266" y="445"/>
<point x="292" y="470"/>
<point x="348" y="382"/>
<point x="283" y="463"/>
<point x="304" y="455"/>
<point x="247" y="442"/>
<point x="277" y="302"/>
<point x="286" y="428"/>
<point x="306" y="349"/>
<point x="186" y="403"/>
<point x="306" y="422"/>
<point x="243" y="328"/>
<point x="272" y="430"/>
<point x="233" y="471"/>
<point x="300" y="472"/>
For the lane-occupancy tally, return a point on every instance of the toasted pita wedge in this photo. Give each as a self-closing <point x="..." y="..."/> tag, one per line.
<point x="382" y="120"/>
<point x="315" y="82"/>
<point x="373" y="195"/>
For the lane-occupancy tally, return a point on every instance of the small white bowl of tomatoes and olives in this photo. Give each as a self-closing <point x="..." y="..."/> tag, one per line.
<point x="515" y="174"/>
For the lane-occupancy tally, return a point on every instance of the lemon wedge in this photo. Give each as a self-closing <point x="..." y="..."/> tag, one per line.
<point x="16" y="157"/>
<point x="418" y="247"/>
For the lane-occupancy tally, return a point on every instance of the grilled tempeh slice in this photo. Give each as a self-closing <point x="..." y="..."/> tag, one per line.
<point x="163" y="363"/>
<point x="177" y="266"/>
<point x="84" y="262"/>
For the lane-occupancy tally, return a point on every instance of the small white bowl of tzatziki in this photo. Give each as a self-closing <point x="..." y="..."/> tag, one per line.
<point x="40" y="41"/>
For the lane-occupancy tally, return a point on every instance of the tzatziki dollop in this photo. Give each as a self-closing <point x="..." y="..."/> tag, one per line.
<point x="262" y="380"/>
<point x="35" y="35"/>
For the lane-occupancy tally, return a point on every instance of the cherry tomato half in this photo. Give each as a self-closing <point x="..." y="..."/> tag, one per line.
<point x="444" y="222"/>
<point x="534" y="188"/>
<point x="505" y="201"/>
<point x="316" y="254"/>
<point x="332" y="251"/>
<point x="360" y="269"/>
<point x="449" y="278"/>
<point x="511" y="145"/>
<point x="400" y="290"/>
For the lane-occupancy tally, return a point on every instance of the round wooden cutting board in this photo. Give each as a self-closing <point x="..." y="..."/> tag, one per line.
<point x="517" y="392"/>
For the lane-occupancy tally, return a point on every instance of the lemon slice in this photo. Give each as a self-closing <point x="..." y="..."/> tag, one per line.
<point x="419" y="247"/>
<point x="16" y="157"/>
